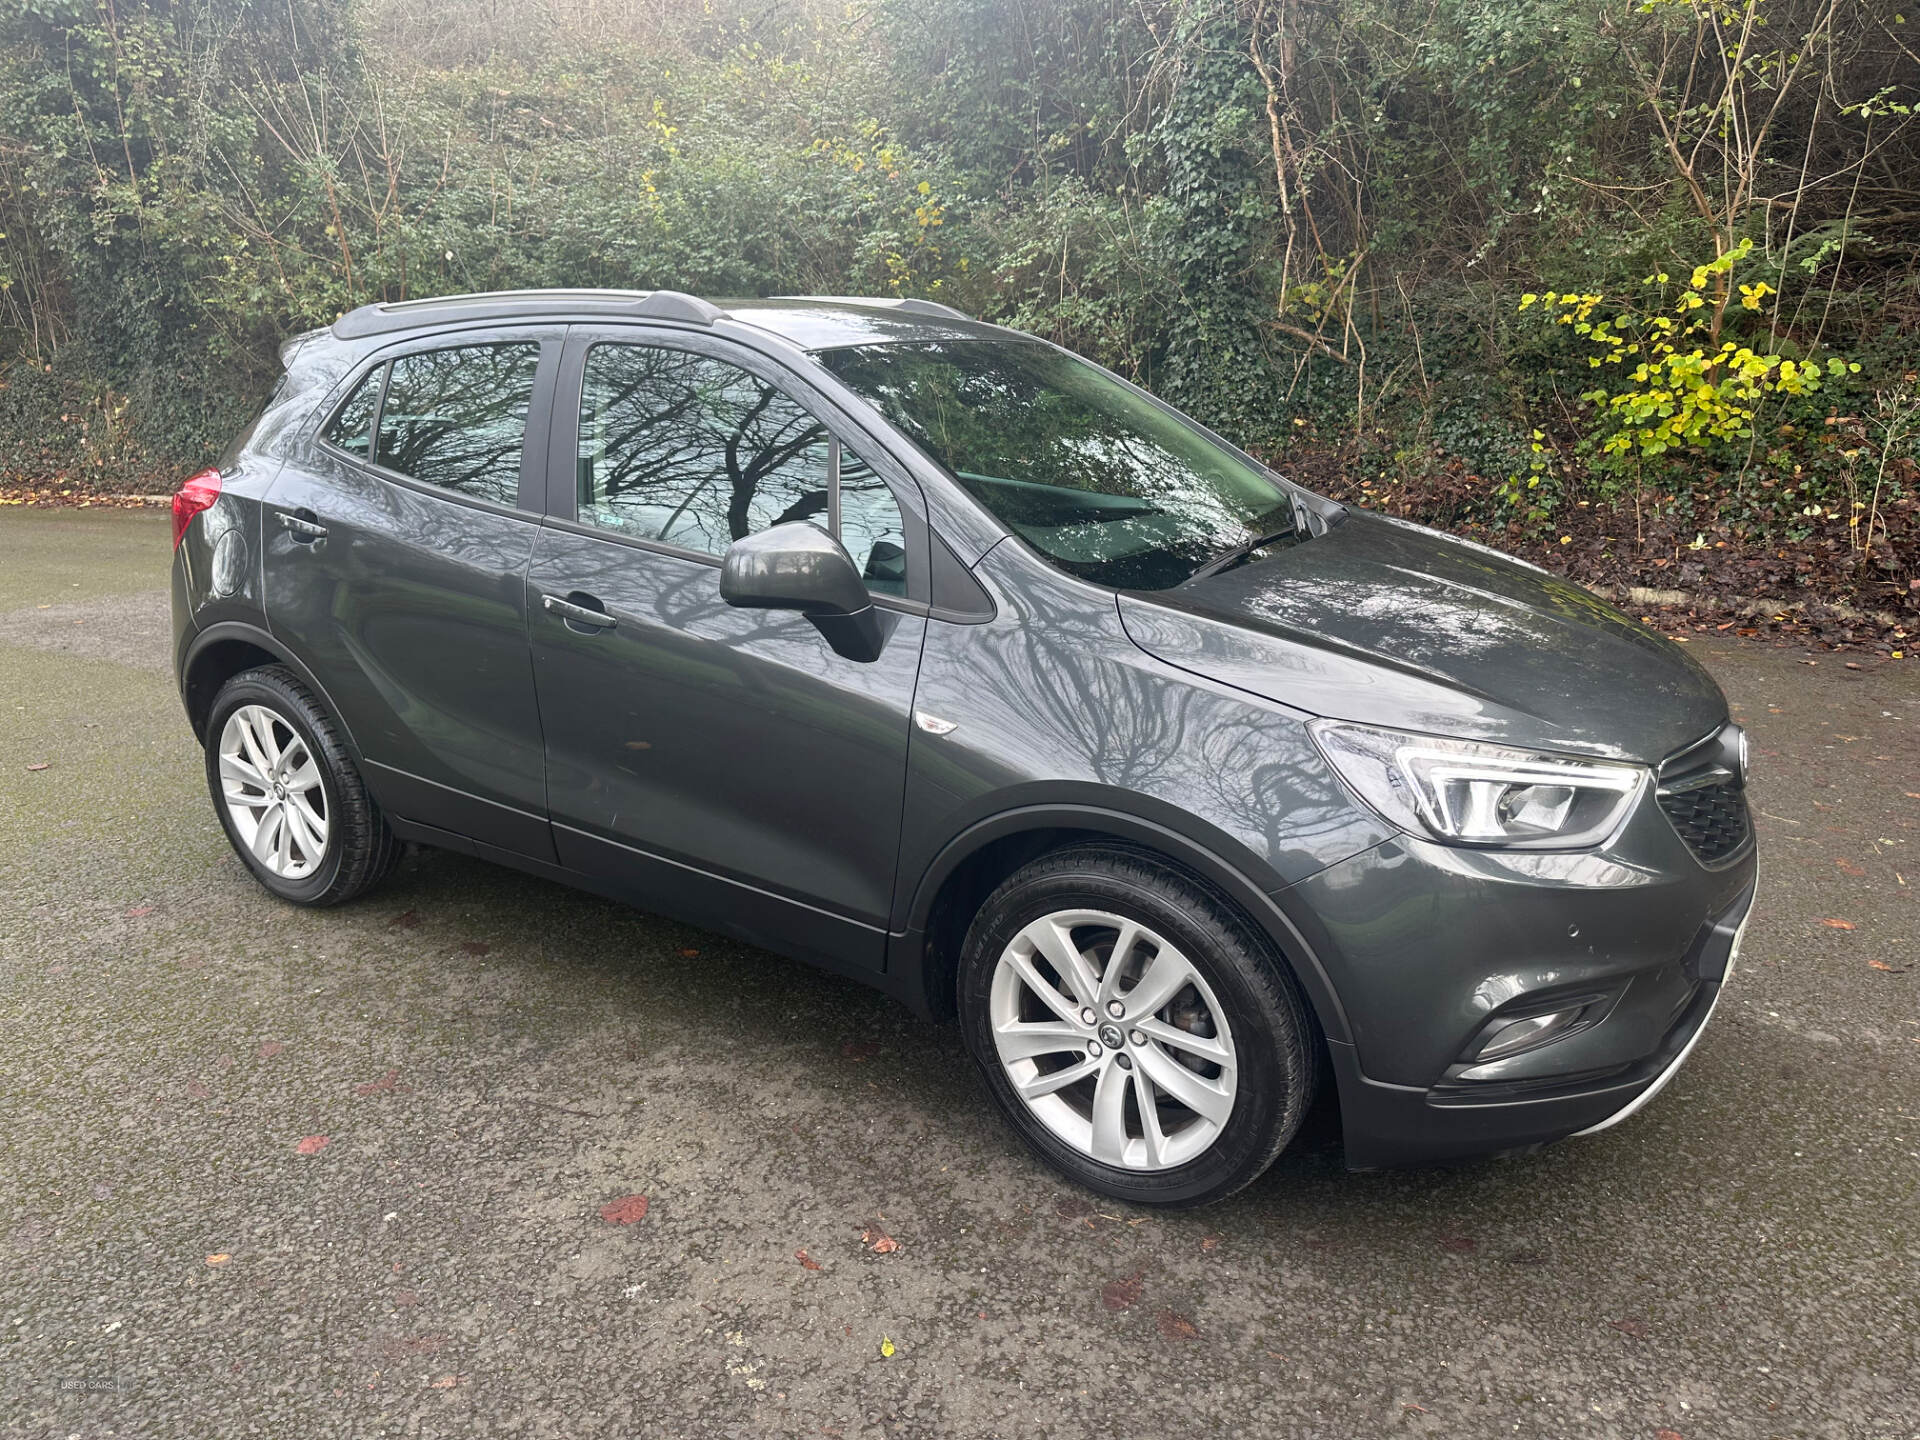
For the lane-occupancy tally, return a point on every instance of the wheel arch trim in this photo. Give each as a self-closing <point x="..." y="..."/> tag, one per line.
<point x="1263" y="907"/>
<point x="229" y="631"/>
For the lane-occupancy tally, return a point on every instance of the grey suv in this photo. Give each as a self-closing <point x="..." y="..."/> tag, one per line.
<point x="928" y="652"/>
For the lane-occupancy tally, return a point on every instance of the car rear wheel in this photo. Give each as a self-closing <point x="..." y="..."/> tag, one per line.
<point x="1135" y="1031"/>
<point x="292" y="803"/>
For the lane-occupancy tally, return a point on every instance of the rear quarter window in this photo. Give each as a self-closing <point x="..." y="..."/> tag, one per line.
<point x="351" y="428"/>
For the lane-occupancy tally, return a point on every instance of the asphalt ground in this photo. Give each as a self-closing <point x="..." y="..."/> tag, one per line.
<point x="498" y="1064"/>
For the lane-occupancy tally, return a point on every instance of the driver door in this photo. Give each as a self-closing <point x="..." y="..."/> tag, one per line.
<point x="722" y="765"/>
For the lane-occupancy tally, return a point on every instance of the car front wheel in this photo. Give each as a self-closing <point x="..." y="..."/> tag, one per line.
<point x="1135" y="1031"/>
<point x="289" y="797"/>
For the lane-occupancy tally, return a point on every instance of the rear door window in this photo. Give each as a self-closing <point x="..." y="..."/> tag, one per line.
<point x="457" y="418"/>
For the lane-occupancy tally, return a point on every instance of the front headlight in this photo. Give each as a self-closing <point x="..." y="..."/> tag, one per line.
<point x="1470" y="794"/>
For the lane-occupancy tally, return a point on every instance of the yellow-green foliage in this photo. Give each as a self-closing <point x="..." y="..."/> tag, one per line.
<point x="1679" y="386"/>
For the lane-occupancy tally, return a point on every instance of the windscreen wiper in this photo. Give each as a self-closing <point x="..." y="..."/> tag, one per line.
<point x="1238" y="554"/>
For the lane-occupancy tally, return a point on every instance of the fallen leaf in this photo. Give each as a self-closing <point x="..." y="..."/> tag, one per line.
<point x="1421" y="1409"/>
<point x="690" y="954"/>
<point x="1635" y="1328"/>
<point x="1119" y="1294"/>
<point x="1849" y="868"/>
<point x="140" y="911"/>
<point x="270" y="1048"/>
<point x="1209" y="1242"/>
<point x="313" y="1144"/>
<point x="624" y="1211"/>
<point x="1838" y="924"/>
<point x="405" y="920"/>
<point x="445" y="1382"/>
<point x="43" y="765"/>
<point x="878" y="1241"/>
<point x="807" y="1262"/>
<point x="1176" y="1326"/>
<point x="1668" y="1435"/>
<point x="382" y="1086"/>
<point x="1458" y="1244"/>
<point x="1882" y="965"/>
<point x="198" y="1091"/>
<point x="219" y="1259"/>
<point x="886" y="1347"/>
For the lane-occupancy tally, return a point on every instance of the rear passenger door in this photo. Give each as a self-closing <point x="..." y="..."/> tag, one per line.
<point x="397" y="548"/>
<point x="719" y="764"/>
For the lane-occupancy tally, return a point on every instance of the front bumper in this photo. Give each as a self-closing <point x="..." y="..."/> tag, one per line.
<point x="1390" y="1125"/>
<point x="1727" y="932"/>
<point x="1428" y="947"/>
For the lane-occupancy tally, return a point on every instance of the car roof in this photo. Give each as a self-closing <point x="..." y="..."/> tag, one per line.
<point x="811" y="322"/>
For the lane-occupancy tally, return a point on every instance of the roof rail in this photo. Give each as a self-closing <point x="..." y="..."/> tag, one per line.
<point x="387" y="316"/>
<point x="879" y="302"/>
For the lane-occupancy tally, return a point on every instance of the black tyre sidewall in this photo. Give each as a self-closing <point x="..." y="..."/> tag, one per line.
<point x="272" y="690"/>
<point x="1271" y="1034"/>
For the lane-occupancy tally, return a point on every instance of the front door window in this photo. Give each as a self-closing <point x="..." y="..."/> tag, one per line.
<point x="692" y="451"/>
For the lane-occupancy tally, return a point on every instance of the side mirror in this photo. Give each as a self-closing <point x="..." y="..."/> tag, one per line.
<point x="798" y="566"/>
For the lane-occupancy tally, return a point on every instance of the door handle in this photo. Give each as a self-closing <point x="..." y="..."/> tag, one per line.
<point x="577" y="615"/>
<point x="302" y="527"/>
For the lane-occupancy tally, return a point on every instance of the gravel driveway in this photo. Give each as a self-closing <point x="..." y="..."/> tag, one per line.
<point x="379" y="1170"/>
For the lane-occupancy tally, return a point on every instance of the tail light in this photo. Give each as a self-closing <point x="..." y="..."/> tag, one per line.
<point x="196" y="494"/>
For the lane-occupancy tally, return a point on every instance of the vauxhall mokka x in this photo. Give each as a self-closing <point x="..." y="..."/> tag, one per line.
<point x="928" y="652"/>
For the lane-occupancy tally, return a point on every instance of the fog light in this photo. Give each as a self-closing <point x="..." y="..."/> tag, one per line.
<point x="1518" y="1035"/>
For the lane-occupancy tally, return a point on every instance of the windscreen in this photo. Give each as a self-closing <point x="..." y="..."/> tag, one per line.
<point x="1105" y="483"/>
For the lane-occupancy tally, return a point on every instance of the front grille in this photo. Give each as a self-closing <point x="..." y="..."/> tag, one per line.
<point x="1703" y="793"/>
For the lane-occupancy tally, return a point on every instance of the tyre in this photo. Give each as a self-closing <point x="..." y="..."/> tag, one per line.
<point x="1133" y="1028"/>
<point x="292" y="803"/>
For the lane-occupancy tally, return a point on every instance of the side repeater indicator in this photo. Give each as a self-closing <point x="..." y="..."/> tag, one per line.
<point x="933" y="724"/>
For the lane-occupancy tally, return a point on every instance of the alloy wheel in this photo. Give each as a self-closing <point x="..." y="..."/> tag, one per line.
<point x="273" y="792"/>
<point x="1113" y="1039"/>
